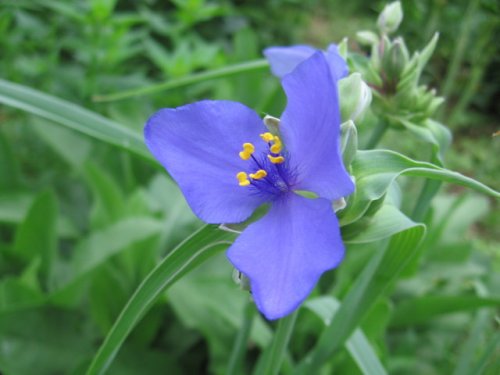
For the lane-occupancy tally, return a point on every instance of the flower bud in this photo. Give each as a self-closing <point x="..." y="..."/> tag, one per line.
<point x="349" y="142"/>
<point x="355" y="97"/>
<point x="272" y="123"/>
<point x="367" y="38"/>
<point x="395" y="60"/>
<point x="390" y="18"/>
<point x="342" y="48"/>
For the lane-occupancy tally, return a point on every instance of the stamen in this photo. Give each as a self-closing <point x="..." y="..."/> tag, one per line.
<point x="276" y="159"/>
<point x="248" y="150"/>
<point x="276" y="148"/>
<point x="267" y="137"/>
<point x="261" y="173"/>
<point x="243" y="179"/>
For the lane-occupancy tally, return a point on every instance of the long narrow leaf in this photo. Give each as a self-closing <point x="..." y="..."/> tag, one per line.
<point x="201" y="245"/>
<point x="187" y="80"/>
<point x="72" y="116"/>
<point x="375" y="170"/>
<point x="357" y="345"/>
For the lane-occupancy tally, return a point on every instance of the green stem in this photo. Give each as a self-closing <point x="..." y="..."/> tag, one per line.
<point x="376" y="135"/>
<point x="429" y="190"/>
<point x="460" y="47"/>
<point x="241" y="341"/>
<point x="187" y="80"/>
<point x="275" y="354"/>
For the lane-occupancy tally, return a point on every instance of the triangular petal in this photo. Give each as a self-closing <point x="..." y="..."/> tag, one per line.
<point x="199" y="144"/>
<point x="310" y="126"/>
<point x="284" y="60"/>
<point x="285" y="252"/>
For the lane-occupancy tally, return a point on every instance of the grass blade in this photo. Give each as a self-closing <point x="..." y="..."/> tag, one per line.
<point x="202" y="244"/>
<point x="187" y="80"/>
<point x="357" y="345"/>
<point x="273" y="356"/>
<point x="72" y="116"/>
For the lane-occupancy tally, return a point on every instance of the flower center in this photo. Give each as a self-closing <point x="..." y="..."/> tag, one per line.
<point x="271" y="174"/>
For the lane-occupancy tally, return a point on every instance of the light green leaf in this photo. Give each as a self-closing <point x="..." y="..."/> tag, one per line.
<point x="72" y="116"/>
<point x="431" y="132"/>
<point x="375" y="170"/>
<point x="357" y="345"/>
<point x="387" y="221"/>
<point x="101" y="245"/>
<point x="201" y="245"/>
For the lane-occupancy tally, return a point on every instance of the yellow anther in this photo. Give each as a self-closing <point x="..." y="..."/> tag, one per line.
<point x="259" y="174"/>
<point x="276" y="159"/>
<point x="245" y="155"/>
<point x="242" y="179"/>
<point x="248" y="147"/>
<point x="247" y="152"/>
<point x="267" y="137"/>
<point x="276" y="148"/>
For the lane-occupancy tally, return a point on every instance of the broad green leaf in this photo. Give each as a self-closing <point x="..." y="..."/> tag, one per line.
<point x="95" y="250"/>
<point x="357" y="345"/>
<point x="380" y="273"/>
<point x="375" y="170"/>
<point x="423" y="309"/>
<point x="108" y="204"/>
<point x="101" y="245"/>
<point x="201" y="245"/>
<point x="72" y="116"/>
<point x="387" y="221"/>
<point x="36" y="237"/>
<point x="15" y="295"/>
<point x="14" y="207"/>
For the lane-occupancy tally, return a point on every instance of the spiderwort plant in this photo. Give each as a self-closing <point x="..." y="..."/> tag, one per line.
<point x="227" y="163"/>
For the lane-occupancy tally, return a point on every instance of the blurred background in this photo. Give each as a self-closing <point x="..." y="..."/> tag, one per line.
<point x="70" y="195"/>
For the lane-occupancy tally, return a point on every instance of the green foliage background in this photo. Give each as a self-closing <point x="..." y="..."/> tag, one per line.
<point x="86" y="215"/>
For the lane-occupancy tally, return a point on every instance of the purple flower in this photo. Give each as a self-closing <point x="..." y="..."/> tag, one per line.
<point x="227" y="164"/>
<point x="283" y="60"/>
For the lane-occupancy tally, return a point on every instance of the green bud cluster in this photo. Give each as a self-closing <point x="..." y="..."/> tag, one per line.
<point x="394" y="74"/>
